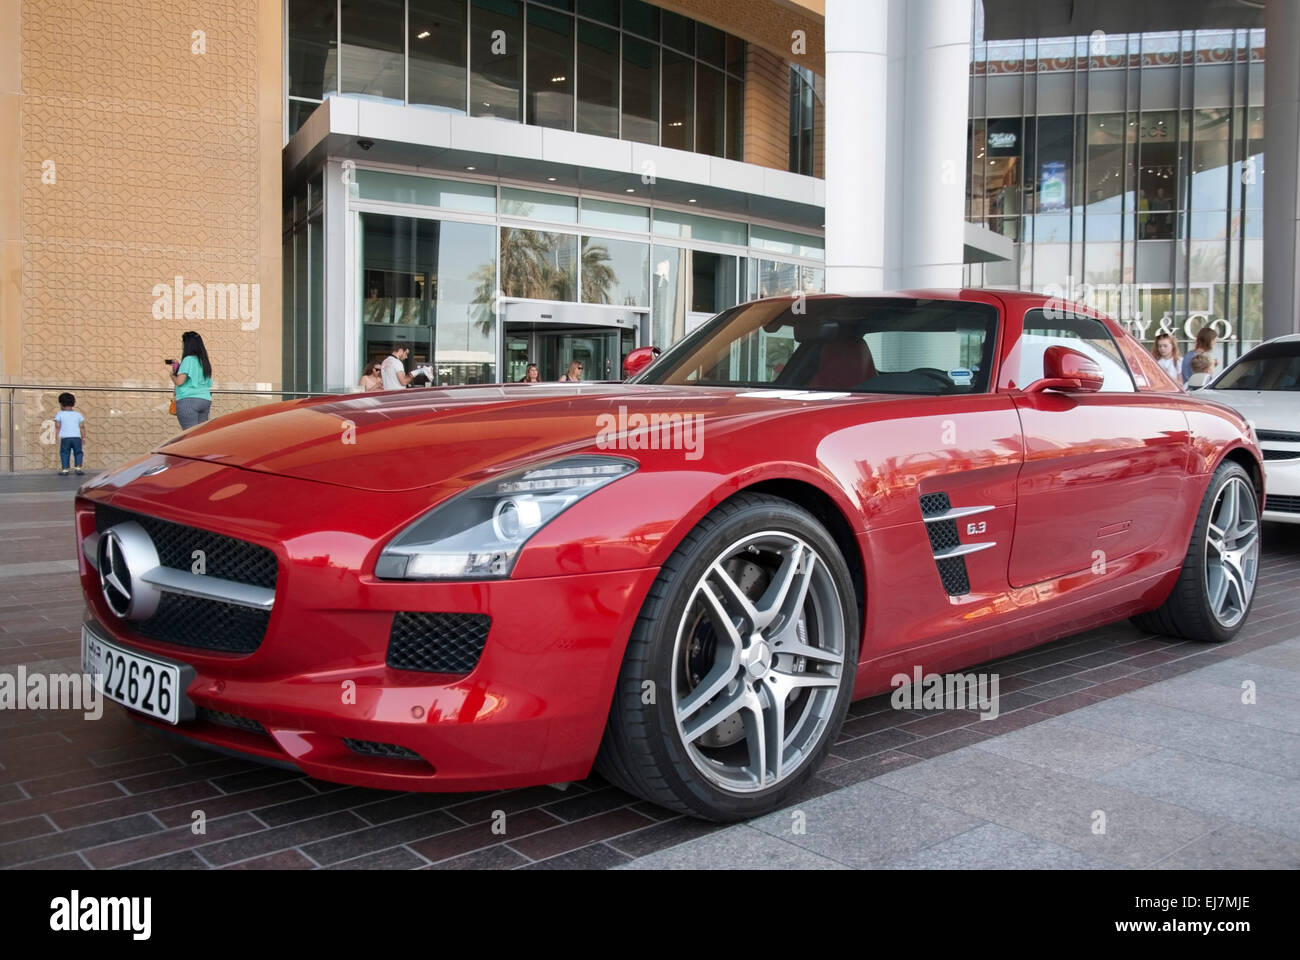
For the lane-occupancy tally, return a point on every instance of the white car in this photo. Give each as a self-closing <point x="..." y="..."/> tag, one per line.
<point x="1263" y="385"/>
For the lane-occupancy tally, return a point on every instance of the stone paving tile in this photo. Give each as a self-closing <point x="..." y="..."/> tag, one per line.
<point x="394" y="858"/>
<point x="464" y="840"/>
<point x="1065" y="748"/>
<point x="1214" y="787"/>
<point x="1055" y="807"/>
<point x="1258" y="748"/>
<point x="348" y="846"/>
<point x="1234" y="847"/>
<point x="995" y="847"/>
<point x="498" y="857"/>
<point x="865" y="825"/>
<point x="596" y="856"/>
<point x="735" y="848"/>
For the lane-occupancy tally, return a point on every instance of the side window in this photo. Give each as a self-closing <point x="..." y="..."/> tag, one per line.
<point x="1088" y="336"/>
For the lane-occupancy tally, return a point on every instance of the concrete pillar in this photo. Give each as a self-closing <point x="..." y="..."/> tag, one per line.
<point x="897" y="91"/>
<point x="931" y="179"/>
<point x="1282" y="165"/>
<point x="857" y="33"/>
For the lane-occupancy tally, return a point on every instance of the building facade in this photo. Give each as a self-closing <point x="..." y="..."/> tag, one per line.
<point x="1129" y="171"/>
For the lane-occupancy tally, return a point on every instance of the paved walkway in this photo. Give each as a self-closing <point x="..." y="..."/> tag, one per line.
<point x="1113" y="748"/>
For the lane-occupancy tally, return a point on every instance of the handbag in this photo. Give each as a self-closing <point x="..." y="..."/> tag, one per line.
<point x="171" y="407"/>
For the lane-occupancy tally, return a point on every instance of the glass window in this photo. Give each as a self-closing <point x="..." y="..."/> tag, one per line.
<point x="711" y="102"/>
<point x="1211" y="156"/>
<point x="1274" y="366"/>
<point x="1157" y="174"/>
<point x="668" y="285"/>
<point x="597" y="80"/>
<point x="678" y="102"/>
<point x="1088" y="336"/>
<point x="735" y="55"/>
<point x="670" y="223"/>
<point x="786" y="241"/>
<point x="615" y="271"/>
<point x="438" y="54"/>
<point x="299" y="111"/>
<point x="539" y="205"/>
<point x="373" y="56"/>
<point x="801" y="121"/>
<point x="678" y="32"/>
<point x="426" y="191"/>
<point x="1002" y="148"/>
<point x="496" y="67"/>
<point x="711" y="45"/>
<point x="879" y="345"/>
<point x="606" y="11"/>
<point x="640" y="91"/>
<point x="1053" y="164"/>
<point x="775" y="278"/>
<point x="538" y="265"/>
<point x="641" y="18"/>
<point x="550" y="69"/>
<point x="735" y="119"/>
<point x="465" y="332"/>
<point x="313" y="49"/>
<point x="713" y="281"/>
<point x="615" y="216"/>
<point x="398" y="263"/>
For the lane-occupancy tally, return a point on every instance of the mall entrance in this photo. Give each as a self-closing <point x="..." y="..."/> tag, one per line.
<point x="553" y="335"/>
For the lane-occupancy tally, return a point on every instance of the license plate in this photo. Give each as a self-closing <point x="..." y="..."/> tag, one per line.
<point x="147" y="684"/>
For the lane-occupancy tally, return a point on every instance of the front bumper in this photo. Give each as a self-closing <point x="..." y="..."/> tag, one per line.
<point x="532" y="710"/>
<point x="1282" y="486"/>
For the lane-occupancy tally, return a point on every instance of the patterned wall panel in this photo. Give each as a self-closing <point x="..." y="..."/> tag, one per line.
<point x="155" y="152"/>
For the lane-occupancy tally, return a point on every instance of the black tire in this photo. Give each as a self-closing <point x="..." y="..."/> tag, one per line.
<point x="1187" y="612"/>
<point x="643" y="750"/>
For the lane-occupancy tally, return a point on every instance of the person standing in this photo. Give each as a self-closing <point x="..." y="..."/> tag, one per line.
<point x="393" y="370"/>
<point x="573" y="374"/>
<point x="71" y="433"/>
<point x="193" y="381"/>
<point x="1165" y="350"/>
<point x="531" y="375"/>
<point x="371" y="378"/>
<point x="1205" y="339"/>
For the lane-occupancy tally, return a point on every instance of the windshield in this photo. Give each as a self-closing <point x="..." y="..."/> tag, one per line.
<point x="855" y="344"/>
<point x="1274" y="366"/>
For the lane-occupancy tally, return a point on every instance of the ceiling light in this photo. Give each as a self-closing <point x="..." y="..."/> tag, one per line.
<point x="422" y="35"/>
<point x="630" y="190"/>
<point x="692" y="200"/>
<point x="552" y="179"/>
<point x="471" y="168"/>
<point x="558" y="79"/>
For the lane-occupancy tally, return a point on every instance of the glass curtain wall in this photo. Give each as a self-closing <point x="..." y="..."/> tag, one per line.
<point x="1147" y="204"/>
<point x="615" y="68"/>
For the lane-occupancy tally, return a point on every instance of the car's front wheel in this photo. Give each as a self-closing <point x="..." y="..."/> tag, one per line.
<point x="1216" y="585"/>
<point x="740" y="667"/>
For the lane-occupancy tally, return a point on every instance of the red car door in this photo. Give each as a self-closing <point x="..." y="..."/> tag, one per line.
<point x="1103" y="471"/>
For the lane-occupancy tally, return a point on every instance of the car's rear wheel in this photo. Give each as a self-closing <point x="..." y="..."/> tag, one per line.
<point x="1216" y="586"/>
<point x="739" y="670"/>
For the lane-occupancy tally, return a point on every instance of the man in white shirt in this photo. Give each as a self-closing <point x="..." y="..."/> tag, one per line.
<point x="393" y="369"/>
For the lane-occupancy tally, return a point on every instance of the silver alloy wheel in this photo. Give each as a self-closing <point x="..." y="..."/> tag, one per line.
<point x="757" y="661"/>
<point x="1232" y="551"/>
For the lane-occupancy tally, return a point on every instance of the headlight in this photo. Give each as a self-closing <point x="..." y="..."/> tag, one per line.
<point x="478" y="534"/>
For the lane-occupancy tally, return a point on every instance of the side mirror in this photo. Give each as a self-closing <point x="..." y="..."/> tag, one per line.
<point x="1066" y="369"/>
<point x="638" y="360"/>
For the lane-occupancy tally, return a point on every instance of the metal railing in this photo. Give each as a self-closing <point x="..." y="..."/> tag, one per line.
<point x="18" y="420"/>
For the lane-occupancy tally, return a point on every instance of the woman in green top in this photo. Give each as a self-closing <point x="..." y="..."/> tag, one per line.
<point x="193" y="382"/>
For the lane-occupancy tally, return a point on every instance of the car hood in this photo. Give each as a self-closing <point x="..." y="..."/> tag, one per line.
<point x="1268" y="409"/>
<point x="419" y="438"/>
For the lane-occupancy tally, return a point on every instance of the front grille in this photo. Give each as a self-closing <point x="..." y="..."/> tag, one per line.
<point x="1282" y="504"/>
<point x="194" y="621"/>
<point x="208" y="624"/>
<point x="223" y="719"/>
<point x="437" y="642"/>
<point x="1278" y="436"/>
<point x="223" y="557"/>
<point x="1281" y="454"/>
<point x="373" y="748"/>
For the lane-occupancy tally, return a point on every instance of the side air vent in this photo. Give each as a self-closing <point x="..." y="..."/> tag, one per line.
<point x="946" y="545"/>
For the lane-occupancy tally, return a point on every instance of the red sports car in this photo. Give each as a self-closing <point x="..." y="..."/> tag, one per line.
<point x="682" y="580"/>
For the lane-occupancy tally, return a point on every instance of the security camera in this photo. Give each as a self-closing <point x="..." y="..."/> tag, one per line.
<point x="365" y="144"/>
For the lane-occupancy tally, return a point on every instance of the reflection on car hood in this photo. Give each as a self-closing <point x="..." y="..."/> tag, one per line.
<point x="417" y="438"/>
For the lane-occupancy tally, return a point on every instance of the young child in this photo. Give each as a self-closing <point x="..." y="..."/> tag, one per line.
<point x="1165" y="350"/>
<point x="1203" y="365"/>
<point x="71" y="433"/>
